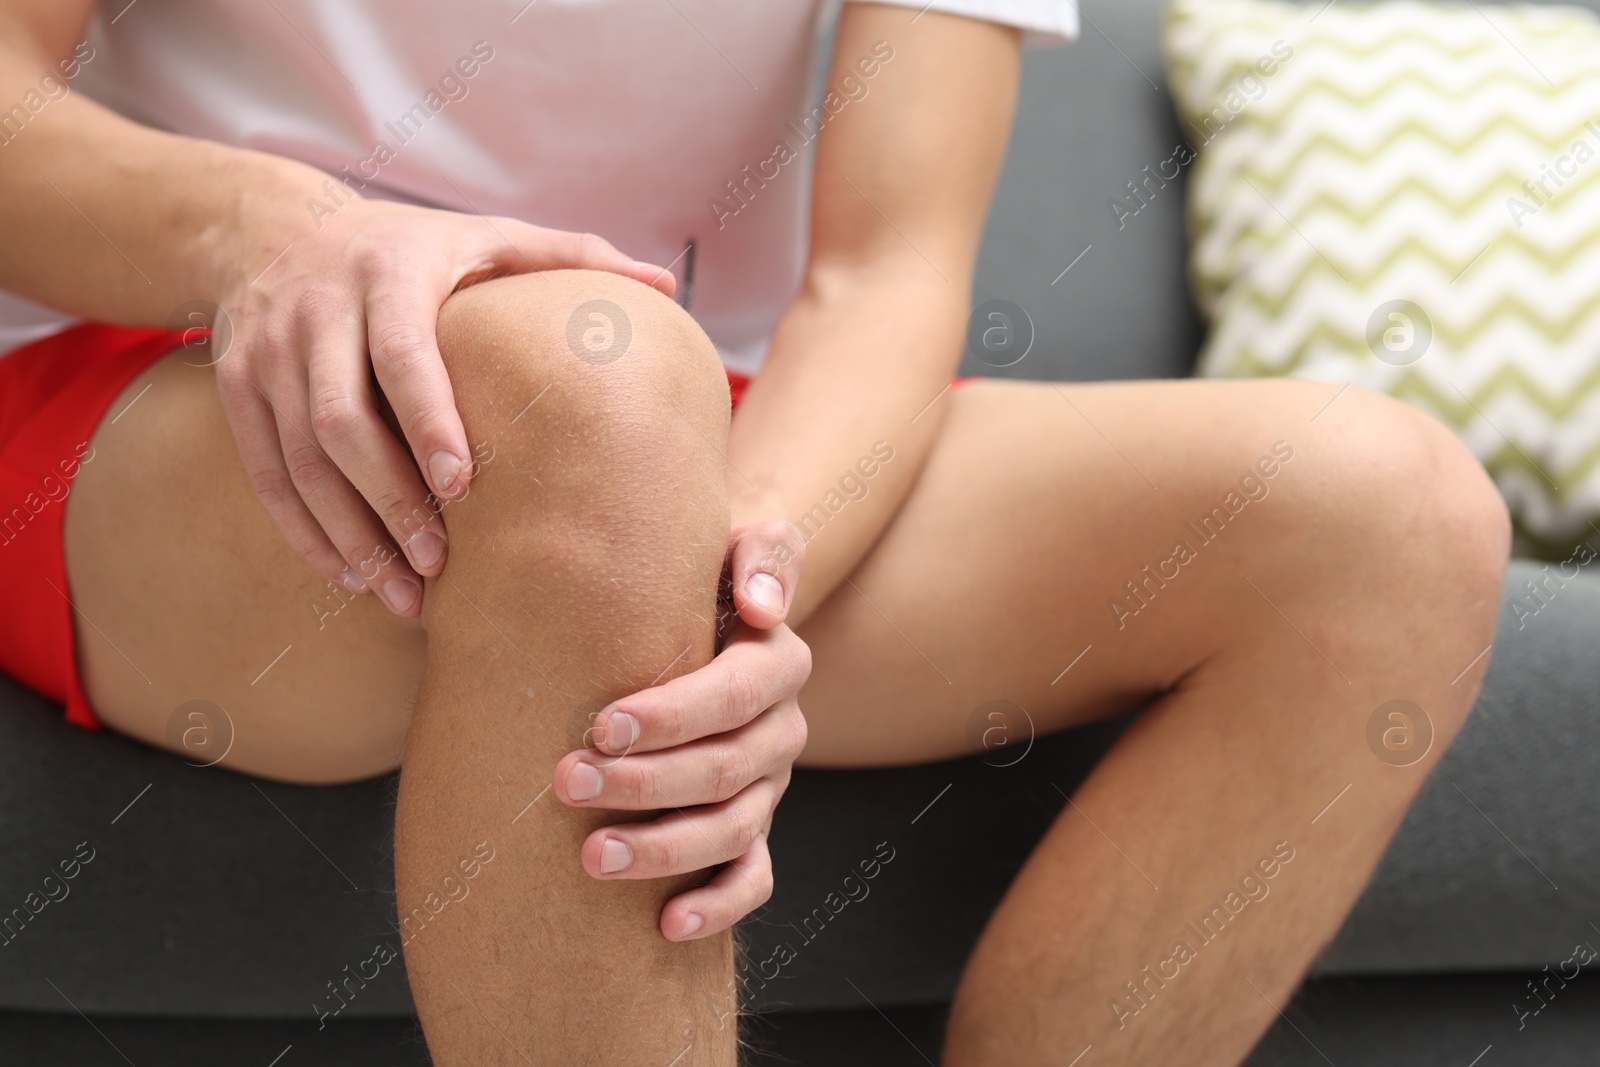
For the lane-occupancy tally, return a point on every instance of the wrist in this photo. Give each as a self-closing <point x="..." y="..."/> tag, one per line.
<point x="270" y="204"/>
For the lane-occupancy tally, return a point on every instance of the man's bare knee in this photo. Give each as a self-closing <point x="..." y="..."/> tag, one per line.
<point x="1412" y="501"/>
<point x="597" y="413"/>
<point x="587" y="344"/>
<point x="1391" y="533"/>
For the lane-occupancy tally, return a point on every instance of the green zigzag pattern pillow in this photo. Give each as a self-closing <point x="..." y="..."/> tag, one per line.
<point x="1406" y="196"/>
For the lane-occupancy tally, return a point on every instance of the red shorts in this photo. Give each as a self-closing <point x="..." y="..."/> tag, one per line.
<point x="53" y="394"/>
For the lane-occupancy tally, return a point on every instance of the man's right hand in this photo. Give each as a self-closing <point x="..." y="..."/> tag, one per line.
<point x="359" y="298"/>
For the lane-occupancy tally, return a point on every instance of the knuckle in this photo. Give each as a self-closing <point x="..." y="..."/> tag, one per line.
<point x="669" y="855"/>
<point x="390" y="502"/>
<point x="642" y="786"/>
<point x="783" y="543"/>
<point x="233" y="383"/>
<point x="426" y="417"/>
<point x="762" y="877"/>
<point x="273" y="344"/>
<point x="374" y="255"/>
<point x="744" y="826"/>
<point x="398" y="345"/>
<point x="278" y="331"/>
<point x="729" y="772"/>
<point x="405" y="517"/>
<point x="793" y="656"/>
<point x="787" y="537"/>
<point x="799" y="733"/>
<point x="368" y="562"/>
<point x="592" y="246"/>
<point x="801" y="654"/>
<point x="334" y="412"/>
<point x="306" y="466"/>
<point x="322" y="300"/>
<point x="744" y="698"/>
<point x="674" y="719"/>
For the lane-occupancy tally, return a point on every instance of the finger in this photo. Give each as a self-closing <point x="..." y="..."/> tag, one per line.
<point x="346" y="422"/>
<point x="255" y="431"/>
<point x="402" y="331"/>
<point x="344" y="516"/>
<point x="764" y="565"/>
<point x="683" y="841"/>
<point x="737" y="890"/>
<point x="754" y="671"/>
<point x="522" y="247"/>
<point x="707" y="771"/>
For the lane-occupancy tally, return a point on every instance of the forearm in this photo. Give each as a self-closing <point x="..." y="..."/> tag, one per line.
<point x="112" y="220"/>
<point x="833" y="433"/>
<point x="870" y="343"/>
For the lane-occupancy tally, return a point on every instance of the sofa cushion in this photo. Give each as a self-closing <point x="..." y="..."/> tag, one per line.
<point x="1406" y="196"/>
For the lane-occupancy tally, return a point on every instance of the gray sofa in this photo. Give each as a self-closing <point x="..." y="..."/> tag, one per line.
<point x="215" y="910"/>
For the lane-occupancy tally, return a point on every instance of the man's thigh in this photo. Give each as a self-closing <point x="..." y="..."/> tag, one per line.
<point x="1072" y="549"/>
<point x="197" y="628"/>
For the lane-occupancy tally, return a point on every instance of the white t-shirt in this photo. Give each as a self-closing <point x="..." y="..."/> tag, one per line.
<point x="649" y="122"/>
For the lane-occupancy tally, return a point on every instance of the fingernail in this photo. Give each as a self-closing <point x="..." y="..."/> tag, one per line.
<point x="692" y="925"/>
<point x="402" y="594"/>
<point x="352" y="581"/>
<point x="583" y="782"/>
<point x="614" y="856"/>
<point x="427" y="548"/>
<point x="622" y="730"/>
<point x="443" y="468"/>
<point x="765" y="590"/>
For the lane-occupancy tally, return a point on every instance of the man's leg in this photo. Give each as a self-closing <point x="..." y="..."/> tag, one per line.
<point x="1331" y="561"/>
<point x="583" y="566"/>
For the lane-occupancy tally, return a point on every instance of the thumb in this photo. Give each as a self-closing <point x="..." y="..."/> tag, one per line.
<point x="764" y="570"/>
